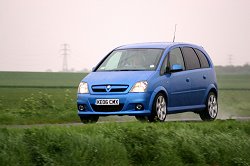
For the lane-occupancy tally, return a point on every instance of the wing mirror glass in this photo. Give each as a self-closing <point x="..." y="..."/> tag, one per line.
<point x="176" y="68"/>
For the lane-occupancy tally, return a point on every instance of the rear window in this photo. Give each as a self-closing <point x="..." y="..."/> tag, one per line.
<point x="203" y="59"/>
<point x="190" y="58"/>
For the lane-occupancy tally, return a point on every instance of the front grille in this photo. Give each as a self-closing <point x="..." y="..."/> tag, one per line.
<point x="99" y="90"/>
<point x="118" y="90"/>
<point x="109" y="88"/>
<point x="107" y="108"/>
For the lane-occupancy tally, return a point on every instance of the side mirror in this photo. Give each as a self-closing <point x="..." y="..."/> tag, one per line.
<point x="176" y="68"/>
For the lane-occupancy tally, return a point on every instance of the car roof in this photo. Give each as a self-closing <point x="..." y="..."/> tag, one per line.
<point x="160" y="45"/>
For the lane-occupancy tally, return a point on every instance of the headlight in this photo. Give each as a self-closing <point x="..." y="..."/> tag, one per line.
<point x="140" y="87"/>
<point x="83" y="88"/>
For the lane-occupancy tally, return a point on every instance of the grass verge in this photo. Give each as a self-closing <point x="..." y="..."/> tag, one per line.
<point x="172" y="143"/>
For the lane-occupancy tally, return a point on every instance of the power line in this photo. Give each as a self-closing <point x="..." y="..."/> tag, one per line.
<point x="65" y="52"/>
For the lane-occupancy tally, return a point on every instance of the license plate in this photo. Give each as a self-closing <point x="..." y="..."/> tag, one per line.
<point x="107" y="102"/>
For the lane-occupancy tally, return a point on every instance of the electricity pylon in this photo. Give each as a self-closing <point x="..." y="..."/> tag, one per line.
<point x="65" y="53"/>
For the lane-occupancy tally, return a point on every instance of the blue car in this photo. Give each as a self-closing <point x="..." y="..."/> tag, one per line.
<point x="149" y="81"/>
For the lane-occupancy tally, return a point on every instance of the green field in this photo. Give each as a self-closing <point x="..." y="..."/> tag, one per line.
<point x="70" y="80"/>
<point x="40" y="79"/>
<point x="234" y="81"/>
<point x="174" y="143"/>
<point x="33" y="97"/>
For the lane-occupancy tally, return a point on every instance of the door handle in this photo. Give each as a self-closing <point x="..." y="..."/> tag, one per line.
<point x="204" y="76"/>
<point x="187" y="79"/>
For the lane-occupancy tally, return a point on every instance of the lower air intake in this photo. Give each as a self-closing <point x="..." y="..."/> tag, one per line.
<point x="107" y="108"/>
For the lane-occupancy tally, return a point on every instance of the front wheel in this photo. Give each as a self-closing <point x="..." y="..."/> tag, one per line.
<point x="211" y="110"/>
<point x="159" y="109"/>
<point x="89" y="119"/>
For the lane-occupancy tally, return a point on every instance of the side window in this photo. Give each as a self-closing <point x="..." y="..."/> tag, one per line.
<point x="203" y="59"/>
<point x="175" y="57"/>
<point x="190" y="58"/>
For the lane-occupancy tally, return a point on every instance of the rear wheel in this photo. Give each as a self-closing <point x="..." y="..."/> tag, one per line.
<point x="89" y="119"/>
<point x="211" y="110"/>
<point x="159" y="109"/>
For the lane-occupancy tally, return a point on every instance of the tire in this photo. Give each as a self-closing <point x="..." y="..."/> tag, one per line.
<point x="159" y="109"/>
<point x="211" y="111"/>
<point x="141" y="118"/>
<point x="89" y="119"/>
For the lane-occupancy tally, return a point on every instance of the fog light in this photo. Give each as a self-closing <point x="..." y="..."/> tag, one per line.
<point x="139" y="107"/>
<point x="81" y="107"/>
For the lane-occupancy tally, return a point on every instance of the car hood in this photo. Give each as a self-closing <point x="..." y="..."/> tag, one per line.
<point x="117" y="77"/>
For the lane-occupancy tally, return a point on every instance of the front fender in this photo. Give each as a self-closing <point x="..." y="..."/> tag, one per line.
<point x="155" y="92"/>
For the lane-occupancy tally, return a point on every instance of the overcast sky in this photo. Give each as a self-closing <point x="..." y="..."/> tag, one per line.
<point x="32" y="31"/>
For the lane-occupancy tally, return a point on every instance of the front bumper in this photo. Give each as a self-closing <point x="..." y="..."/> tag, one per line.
<point x="127" y="105"/>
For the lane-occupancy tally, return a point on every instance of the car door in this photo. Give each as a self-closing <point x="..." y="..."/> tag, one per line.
<point x="204" y="76"/>
<point x="197" y="75"/>
<point x="178" y="83"/>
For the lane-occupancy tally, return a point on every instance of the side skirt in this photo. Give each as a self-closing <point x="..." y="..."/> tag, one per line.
<point x="193" y="108"/>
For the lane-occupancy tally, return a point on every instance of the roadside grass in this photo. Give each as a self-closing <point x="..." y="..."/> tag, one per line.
<point x="31" y="106"/>
<point x="131" y="143"/>
<point x="233" y="103"/>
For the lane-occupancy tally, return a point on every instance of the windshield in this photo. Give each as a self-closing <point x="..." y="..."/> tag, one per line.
<point x="131" y="60"/>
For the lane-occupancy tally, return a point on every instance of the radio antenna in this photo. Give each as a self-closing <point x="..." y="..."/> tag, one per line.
<point x="174" y="32"/>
